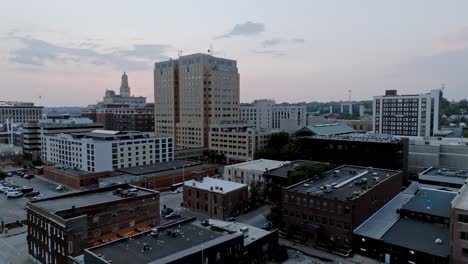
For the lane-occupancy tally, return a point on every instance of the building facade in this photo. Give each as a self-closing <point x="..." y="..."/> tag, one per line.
<point x="104" y="150"/>
<point x="19" y="112"/>
<point x="251" y="172"/>
<point x="326" y="209"/>
<point x="357" y="149"/>
<point x="238" y="142"/>
<point x="193" y="92"/>
<point x="34" y="131"/>
<point x="407" y="115"/>
<point x="63" y="226"/>
<point x="214" y="197"/>
<point x="266" y="114"/>
<point x="459" y="227"/>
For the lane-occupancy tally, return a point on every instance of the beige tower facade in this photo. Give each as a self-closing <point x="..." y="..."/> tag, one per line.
<point x="193" y="92"/>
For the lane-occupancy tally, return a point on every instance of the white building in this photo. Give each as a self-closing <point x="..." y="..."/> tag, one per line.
<point x="238" y="142"/>
<point x="19" y="112"/>
<point x="266" y="114"/>
<point x="251" y="172"/>
<point x="33" y="131"/>
<point x="407" y="115"/>
<point x="103" y="150"/>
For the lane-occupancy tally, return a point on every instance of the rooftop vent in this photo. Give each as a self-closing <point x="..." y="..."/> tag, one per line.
<point x="306" y="185"/>
<point x="439" y="241"/>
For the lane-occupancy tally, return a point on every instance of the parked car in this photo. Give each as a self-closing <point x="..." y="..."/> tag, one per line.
<point x="268" y="226"/>
<point x="172" y="215"/>
<point x="167" y="211"/>
<point x="231" y="219"/>
<point x="39" y="197"/>
<point x="14" y="194"/>
<point x="9" y="174"/>
<point x="28" y="176"/>
<point x="59" y="188"/>
<point x="32" y="194"/>
<point x="154" y="232"/>
<point x="26" y="189"/>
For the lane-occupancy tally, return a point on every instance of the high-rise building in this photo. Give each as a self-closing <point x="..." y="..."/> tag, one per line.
<point x="193" y="92"/>
<point x="407" y="115"/>
<point x="124" y="88"/>
<point x="266" y="114"/>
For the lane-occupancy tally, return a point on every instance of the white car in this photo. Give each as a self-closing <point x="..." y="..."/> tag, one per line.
<point x="59" y="188"/>
<point x="14" y="194"/>
<point x="40" y="196"/>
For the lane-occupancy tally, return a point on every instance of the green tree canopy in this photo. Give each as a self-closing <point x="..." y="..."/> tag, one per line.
<point x="309" y="170"/>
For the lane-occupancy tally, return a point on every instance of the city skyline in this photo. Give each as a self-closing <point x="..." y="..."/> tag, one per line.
<point x="72" y="53"/>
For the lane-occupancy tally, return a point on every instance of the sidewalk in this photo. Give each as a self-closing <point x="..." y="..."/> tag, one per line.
<point x="14" y="231"/>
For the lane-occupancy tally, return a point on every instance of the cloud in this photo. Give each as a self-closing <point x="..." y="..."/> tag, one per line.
<point x="452" y="41"/>
<point x="38" y="52"/>
<point x="278" y="41"/>
<point x="275" y="53"/>
<point x="245" y="29"/>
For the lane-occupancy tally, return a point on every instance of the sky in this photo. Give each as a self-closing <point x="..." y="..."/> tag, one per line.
<point x="67" y="53"/>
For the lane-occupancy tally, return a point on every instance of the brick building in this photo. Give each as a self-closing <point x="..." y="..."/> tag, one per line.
<point x="326" y="209"/>
<point x="75" y="178"/>
<point x="459" y="227"/>
<point x="163" y="176"/>
<point x="214" y="197"/>
<point x="63" y="226"/>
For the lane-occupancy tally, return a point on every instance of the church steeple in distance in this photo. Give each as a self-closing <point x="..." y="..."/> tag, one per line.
<point x="124" y="88"/>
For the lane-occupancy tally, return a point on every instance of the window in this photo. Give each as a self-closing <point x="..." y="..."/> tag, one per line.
<point x="463" y="218"/>
<point x="465" y="252"/>
<point x="464" y="235"/>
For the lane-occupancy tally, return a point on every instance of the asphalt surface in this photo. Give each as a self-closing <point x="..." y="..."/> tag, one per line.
<point x="14" y="249"/>
<point x="12" y="209"/>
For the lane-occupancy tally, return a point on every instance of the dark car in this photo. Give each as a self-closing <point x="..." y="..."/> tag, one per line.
<point x="32" y="194"/>
<point x="25" y="190"/>
<point x="172" y="215"/>
<point x="268" y="226"/>
<point x="167" y="211"/>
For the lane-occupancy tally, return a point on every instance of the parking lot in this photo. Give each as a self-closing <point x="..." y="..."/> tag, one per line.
<point x="12" y="209"/>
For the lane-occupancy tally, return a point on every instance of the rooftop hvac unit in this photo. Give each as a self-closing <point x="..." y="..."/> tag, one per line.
<point x="328" y="188"/>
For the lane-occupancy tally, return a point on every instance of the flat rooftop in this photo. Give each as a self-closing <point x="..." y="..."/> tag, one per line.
<point x="160" y="167"/>
<point x="444" y="175"/>
<point x="431" y="202"/>
<point x="345" y="182"/>
<point x="420" y="236"/>
<point x="380" y="222"/>
<point x="356" y="137"/>
<point x="215" y="185"/>
<point x="254" y="232"/>
<point x="70" y="170"/>
<point x="285" y="170"/>
<point x="86" y="198"/>
<point x="461" y="200"/>
<point x="189" y="238"/>
<point x="258" y="165"/>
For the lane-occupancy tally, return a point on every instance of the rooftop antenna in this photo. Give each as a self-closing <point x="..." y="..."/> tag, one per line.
<point x="349" y="96"/>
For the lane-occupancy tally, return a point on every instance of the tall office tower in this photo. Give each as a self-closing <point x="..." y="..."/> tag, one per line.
<point x="124" y="88"/>
<point x="407" y="115"/>
<point x="193" y="92"/>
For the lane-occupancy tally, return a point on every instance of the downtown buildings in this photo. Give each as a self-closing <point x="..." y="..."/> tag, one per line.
<point x="266" y="114"/>
<point x="193" y="92"/>
<point x="407" y="115"/>
<point x="122" y="112"/>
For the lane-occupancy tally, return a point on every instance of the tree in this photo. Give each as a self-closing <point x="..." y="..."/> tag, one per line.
<point x="278" y="140"/>
<point x="465" y="133"/>
<point x="255" y="194"/>
<point x="309" y="170"/>
<point x="2" y="175"/>
<point x="275" y="216"/>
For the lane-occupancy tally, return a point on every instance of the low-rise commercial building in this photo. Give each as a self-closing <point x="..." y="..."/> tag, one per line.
<point x="163" y="176"/>
<point x="377" y="151"/>
<point x="251" y="172"/>
<point x="63" y="226"/>
<point x="214" y="197"/>
<point x="189" y="241"/>
<point x="411" y="228"/>
<point x="440" y="152"/>
<point x="238" y="142"/>
<point x="443" y="177"/>
<point x="105" y="150"/>
<point x="75" y="178"/>
<point x="324" y="130"/>
<point x="326" y="209"/>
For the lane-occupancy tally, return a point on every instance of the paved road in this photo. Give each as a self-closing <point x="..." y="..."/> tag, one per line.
<point x="256" y="218"/>
<point x="14" y="250"/>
